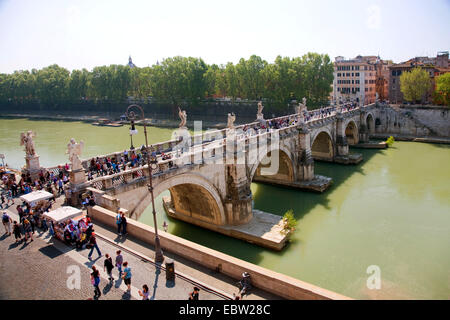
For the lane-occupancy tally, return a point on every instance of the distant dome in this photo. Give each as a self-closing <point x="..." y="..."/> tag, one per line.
<point x="130" y="62"/>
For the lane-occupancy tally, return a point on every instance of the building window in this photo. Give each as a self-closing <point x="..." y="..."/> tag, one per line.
<point x="357" y="74"/>
<point x="393" y="80"/>
<point x="367" y="89"/>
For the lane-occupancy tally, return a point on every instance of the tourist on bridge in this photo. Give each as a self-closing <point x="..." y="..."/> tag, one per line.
<point x="17" y="232"/>
<point x="28" y="230"/>
<point x="194" y="295"/>
<point x="108" y="265"/>
<point x="123" y="224"/>
<point x="127" y="276"/>
<point x="95" y="280"/>
<point x="144" y="293"/>
<point x="93" y="243"/>
<point x="6" y="219"/>
<point x="119" y="222"/>
<point x="119" y="261"/>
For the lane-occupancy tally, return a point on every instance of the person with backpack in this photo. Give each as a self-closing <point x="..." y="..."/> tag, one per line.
<point x="6" y="219"/>
<point x="108" y="265"/>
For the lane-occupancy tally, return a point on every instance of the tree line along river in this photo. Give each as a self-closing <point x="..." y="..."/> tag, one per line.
<point x="391" y="211"/>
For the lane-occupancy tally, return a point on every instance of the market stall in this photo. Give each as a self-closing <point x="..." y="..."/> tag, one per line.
<point x="34" y="197"/>
<point x="63" y="217"/>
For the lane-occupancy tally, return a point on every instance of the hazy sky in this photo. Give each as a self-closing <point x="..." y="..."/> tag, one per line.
<point x="82" y="34"/>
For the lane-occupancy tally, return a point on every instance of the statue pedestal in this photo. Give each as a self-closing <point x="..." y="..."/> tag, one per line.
<point x="259" y="116"/>
<point x="77" y="184"/>
<point x="32" y="166"/>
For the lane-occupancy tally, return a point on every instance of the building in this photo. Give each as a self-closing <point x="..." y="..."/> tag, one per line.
<point x="130" y="63"/>
<point x="433" y="66"/>
<point x="359" y="79"/>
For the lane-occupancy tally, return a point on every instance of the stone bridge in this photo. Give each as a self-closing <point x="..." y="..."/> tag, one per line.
<point x="209" y="175"/>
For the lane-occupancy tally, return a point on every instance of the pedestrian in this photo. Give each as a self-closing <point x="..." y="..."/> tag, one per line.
<point x="165" y="226"/>
<point x="3" y="200"/>
<point x="108" y="265"/>
<point x="127" y="276"/>
<point x="6" y="219"/>
<point x="118" y="222"/>
<point x="123" y="223"/>
<point x="9" y="197"/>
<point x="194" y="294"/>
<point x="17" y="232"/>
<point x="93" y="243"/>
<point x="95" y="280"/>
<point x="144" y="293"/>
<point x="119" y="261"/>
<point x="28" y="230"/>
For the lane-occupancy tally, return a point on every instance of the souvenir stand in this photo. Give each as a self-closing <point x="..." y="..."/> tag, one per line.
<point x="61" y="216"/>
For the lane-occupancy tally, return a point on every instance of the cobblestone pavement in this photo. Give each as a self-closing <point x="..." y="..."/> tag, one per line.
<point x="47" y="269"/>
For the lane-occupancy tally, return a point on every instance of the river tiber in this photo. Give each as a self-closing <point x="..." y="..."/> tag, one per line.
<point x="223" y="193"/>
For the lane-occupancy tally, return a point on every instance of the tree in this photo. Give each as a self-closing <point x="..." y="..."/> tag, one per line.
<point x="414" y="84"/>
<point x="442" y="92"/>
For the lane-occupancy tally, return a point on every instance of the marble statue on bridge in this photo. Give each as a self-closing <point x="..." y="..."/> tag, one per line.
<point x="260" y="115"/>
<point x="183" y="117"/>
<point x="74" y="150"/>
<point x="27" y="141"/>
<point x="231" y="119"/>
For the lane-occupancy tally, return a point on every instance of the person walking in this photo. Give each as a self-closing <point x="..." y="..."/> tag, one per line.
<point x="119" y="261"/>
<point x="127" y="276"/>
<point x="144" y="293"/>
<point x="17" y="232"/>
<point x="108" y="265"/>
<point x="9" y="197"/>
<point x="95" y="280"/>
<point x="194" y="294"/>
<point x="28" y="230"/>
<point x="93" y="243"/>
<point x="6" y="219"/>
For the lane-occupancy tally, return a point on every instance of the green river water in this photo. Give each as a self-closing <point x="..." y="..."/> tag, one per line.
<point x="390" y="211"/>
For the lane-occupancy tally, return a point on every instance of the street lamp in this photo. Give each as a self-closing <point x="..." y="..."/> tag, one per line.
<point x="152" y="164"/>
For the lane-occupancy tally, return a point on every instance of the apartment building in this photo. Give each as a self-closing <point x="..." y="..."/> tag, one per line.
<point x="433" y="66"/>
<point x="356" y="79"/>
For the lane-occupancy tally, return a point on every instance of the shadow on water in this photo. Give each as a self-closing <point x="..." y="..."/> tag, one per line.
<point x="276" y="200"/>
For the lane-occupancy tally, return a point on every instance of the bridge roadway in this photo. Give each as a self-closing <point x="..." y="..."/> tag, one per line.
<point x="244" y="131"/>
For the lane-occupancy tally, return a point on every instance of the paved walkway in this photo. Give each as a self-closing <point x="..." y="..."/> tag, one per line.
<point x="48" y="269"/>
<point x="43" y="268"/>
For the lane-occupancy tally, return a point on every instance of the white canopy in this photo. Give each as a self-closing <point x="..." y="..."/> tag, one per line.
<point x="63" y="214"/>
<point x="36" y="196"/>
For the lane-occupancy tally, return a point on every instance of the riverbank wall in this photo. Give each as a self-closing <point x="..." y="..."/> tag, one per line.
<point x="279" y="284"/>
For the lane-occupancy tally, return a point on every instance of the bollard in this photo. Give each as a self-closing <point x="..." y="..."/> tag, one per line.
<point x="170" y="270"/>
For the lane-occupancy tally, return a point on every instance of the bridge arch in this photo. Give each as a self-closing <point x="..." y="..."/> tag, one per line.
<point x="283" y="170"/>
<point x="370" y="123"/>
<point x="322" y="147"/>
<point x="351" y="132"/>
<point x="193" y="196"/>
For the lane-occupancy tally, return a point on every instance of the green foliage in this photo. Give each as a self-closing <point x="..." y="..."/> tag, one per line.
<point x="177" y="80"/>
<point x="289" y="221"/>
<point x="414" y="84"/>
<point x="390" y="141"/>
<point x="442" y="92"/>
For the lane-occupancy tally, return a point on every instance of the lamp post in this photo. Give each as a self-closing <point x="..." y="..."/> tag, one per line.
<point x="159" y="257"/>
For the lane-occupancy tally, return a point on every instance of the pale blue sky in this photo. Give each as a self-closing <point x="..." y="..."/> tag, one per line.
<point x="77" y="33"/>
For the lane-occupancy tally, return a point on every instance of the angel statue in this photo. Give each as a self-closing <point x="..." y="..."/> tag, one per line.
<point x="231" y="119"/>
<point x="183" y="117"/>
<point x="74" y="150"/>
<point x="27" y="141"/>
<point x="260" y="115"/>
